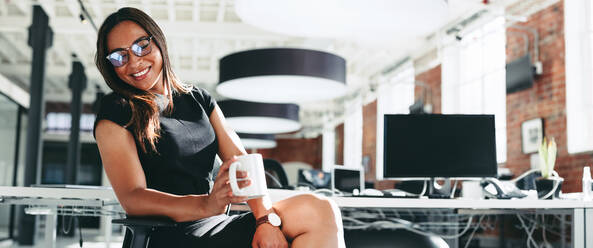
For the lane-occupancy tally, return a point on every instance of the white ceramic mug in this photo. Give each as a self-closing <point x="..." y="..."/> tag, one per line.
<point x="472" y="190"/>
<point x="253" y="164"/>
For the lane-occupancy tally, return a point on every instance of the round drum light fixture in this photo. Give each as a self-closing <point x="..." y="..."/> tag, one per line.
<point x="282" y="75"/>
<point x="260" y="118"/>
<point x="368" y="19"/>
<point x="257" y="141"/>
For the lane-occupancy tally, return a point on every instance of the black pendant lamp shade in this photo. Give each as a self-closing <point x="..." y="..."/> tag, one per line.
<point x="257" y="141"/>
<point x="260" y="118"/>
<point x="282" y="75"/>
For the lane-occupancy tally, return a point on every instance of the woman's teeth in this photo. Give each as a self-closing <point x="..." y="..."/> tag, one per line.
<point x="141" y="72"/>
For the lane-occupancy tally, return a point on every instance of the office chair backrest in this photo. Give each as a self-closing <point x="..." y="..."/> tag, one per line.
<point x="275" y="169"/>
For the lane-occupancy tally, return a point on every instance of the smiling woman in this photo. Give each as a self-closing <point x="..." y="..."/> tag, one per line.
<point x="158" y="139"/>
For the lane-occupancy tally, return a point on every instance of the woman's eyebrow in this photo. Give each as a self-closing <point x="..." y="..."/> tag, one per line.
<point x="122" y="48"/>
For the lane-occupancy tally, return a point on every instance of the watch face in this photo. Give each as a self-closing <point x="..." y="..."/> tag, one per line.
<point x="274" y="219"/>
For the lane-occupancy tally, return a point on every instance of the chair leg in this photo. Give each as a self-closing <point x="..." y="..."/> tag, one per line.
<point x="140" y="237"/>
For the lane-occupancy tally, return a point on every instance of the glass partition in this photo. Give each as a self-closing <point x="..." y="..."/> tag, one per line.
<point x="10" y="154"/>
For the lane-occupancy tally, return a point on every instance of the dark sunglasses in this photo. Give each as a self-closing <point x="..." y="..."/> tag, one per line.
<point x="120" y="56"/>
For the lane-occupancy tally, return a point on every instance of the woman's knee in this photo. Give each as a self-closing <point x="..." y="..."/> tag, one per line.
<point x="320" y="208"/>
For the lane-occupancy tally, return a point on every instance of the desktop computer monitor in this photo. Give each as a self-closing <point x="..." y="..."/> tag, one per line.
<point x="439" y="146"/>
<point x="314" y="178"/>
<point x="347" y="179"/>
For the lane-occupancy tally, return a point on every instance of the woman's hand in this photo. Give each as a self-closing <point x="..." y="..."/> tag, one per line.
<point x="222" y="194"/>
<point x="268" y="236"/>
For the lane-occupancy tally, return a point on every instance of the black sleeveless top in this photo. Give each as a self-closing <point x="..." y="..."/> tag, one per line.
<point x="186" y="148"/>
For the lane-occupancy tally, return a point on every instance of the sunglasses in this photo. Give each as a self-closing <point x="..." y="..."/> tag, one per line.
<point x="120" y="56"/>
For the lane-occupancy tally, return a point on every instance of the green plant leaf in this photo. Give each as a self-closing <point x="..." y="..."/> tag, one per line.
<point x="543" y="158"/>
<point x="551" y="159"/>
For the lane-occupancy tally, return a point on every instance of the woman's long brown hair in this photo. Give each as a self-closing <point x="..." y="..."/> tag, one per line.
<point x="145" y="112"/>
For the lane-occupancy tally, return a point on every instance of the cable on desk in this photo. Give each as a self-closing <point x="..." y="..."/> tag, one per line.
<point x="64" y="229"/>
<point x="471" y="236"/>
<point x="529" y="233"/>
<point x="399" y="223"/>
<point x="452" y="195"/>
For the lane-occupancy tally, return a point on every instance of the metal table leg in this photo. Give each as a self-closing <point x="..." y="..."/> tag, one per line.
<point x="588" y="227"/>
<point x="50" y="229"/>
<point x="578" y="228"/>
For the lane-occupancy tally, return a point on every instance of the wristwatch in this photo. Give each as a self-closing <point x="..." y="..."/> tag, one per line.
<point x="271" y="218"/>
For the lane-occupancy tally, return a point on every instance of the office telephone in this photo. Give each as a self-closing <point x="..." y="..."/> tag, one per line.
<point x="494" y="188"/>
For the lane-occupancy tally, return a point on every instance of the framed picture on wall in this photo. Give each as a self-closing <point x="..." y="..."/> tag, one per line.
<point x="532" y="133"/>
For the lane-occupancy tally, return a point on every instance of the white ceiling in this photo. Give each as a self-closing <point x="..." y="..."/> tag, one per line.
<point x="199" y="33"/>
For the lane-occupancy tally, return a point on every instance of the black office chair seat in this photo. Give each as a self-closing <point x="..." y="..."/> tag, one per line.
<point x="139" y="229"/>
<point x="386" y="238"/>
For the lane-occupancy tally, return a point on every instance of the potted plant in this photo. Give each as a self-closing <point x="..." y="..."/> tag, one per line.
<point x="549" y="185"/>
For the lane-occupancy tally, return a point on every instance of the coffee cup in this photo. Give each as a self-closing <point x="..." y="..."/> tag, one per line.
<point x="254" y="166"/>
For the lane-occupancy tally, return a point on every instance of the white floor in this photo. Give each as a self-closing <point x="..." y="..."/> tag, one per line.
<point x="92" y="238"/>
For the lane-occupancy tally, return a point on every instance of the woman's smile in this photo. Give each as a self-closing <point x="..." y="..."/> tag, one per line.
<point x="142" y="74"/>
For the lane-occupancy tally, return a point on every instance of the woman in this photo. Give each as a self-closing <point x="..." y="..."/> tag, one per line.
<point x="158" y="139"/>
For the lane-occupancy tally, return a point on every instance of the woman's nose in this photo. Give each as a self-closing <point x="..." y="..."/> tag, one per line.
<point x="134" y="62"/>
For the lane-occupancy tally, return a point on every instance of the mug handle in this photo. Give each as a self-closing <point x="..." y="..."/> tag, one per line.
<point x="233" y="178"/>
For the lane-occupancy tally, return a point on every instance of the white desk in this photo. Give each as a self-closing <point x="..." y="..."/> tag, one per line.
<point x="582" y="211"/>
<point x="101" y="201"/>
<point x="52" y="202"/>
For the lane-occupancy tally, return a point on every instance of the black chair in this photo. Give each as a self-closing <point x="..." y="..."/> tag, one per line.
<point x="139" y="229"/>
<point x="384" y="238"/>
<point x="275" y="172"/>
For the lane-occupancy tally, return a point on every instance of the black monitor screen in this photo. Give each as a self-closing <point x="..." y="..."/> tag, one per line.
<point x="439" y="146"/>
<point x="346" y="180"/>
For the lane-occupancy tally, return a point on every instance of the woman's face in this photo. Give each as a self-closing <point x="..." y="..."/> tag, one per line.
<point x="144" y="73"/>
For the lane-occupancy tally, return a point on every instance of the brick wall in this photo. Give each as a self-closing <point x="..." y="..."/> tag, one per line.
<point x="432" y="79"/>
<point x="292" y="150"/>
<point x="340" y="144"/>
<point x="546" y="99"/>
<point x="369" y="133"/>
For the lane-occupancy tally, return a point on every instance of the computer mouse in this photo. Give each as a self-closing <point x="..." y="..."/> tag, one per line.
<point x="372" y="192"/>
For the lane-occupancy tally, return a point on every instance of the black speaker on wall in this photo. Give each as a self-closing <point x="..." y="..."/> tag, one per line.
<point x="520" y="74"/>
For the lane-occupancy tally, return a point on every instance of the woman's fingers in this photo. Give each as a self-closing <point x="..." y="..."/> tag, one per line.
<point x="227" y="164"/>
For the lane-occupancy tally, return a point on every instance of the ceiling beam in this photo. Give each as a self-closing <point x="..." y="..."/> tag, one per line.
<point x="96" y="7"/>
<point x="146" y="7"/>
<point x="22" y="6"/>
<point x="171" y="29"/>
<point x="196" y="11"/>
<point x="61" y="51"/>
<point x="194" y="57"/>
<point x="120" y="4"/>
<point x="6" y="53"/>
<point x="73" y="7"/>
<point x="3" y="9"/>
<point x="19" y="47"/>
<point x="49" y="7"/>
<point x="221" y="9"/>
<point x="171" y="10"/>
<point x="75" y="48"/>
<point x="93" y="74"/>
<point x="14" y="92"/>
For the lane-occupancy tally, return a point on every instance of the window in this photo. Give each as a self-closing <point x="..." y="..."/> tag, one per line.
<point x="353" y="135"/>
<point x="578" y="35"/>
<point x="473" y="77"/>
<point x="394" y="97"/>
<point x="328" y="149"/>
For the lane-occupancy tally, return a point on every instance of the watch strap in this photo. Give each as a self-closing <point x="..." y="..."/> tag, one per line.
<point x="264" y="219"/>
<point x="261" y="220"/>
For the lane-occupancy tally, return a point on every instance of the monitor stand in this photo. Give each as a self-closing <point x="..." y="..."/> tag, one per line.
<point x="439" y="191"/>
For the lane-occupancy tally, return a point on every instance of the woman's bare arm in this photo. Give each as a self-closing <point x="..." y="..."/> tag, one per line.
<point x="229" y="145"/>
<point x="123" y="168"/>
